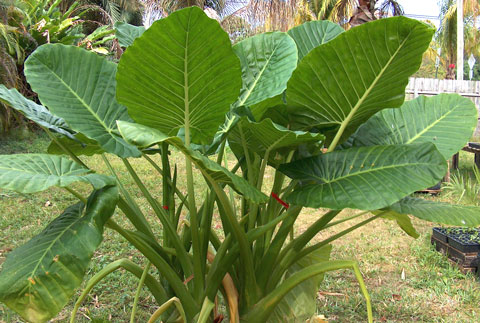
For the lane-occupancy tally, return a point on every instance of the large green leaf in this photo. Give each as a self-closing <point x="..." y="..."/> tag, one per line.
<point x="35" y="112"/>
<point x="127" y="33"/>
<point x="300" y="303"/>
<point x="80" y="146"/>
<point x="313" y="34"/>
<point x="79" y="86"/>
<point x="268" y="61"/>
<point x="447" y="120"/>
<point x="269" y="136"/>
<point x="181" y="73"/>
<point x="339" y="85"/>
<point x="30" y="173"/>
<point x="39" y="278"/>
<point x="438" y="212"/>
<point x="365" y="178"/>
<point x="144" y="137"/>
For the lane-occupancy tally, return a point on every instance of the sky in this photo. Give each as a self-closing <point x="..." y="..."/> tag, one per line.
<point x="420" y="8"/>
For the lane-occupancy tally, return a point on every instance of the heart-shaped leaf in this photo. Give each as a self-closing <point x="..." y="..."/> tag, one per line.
<point x="447" y="120"/>
<point x="268" y="61"/>
<point x="181" y="73"/>
<point x="366" y="178"/>
<point x="312" y="34"/>
<point x="79" y="86"/>
<point x="144" y="137"/>
<point x="35" y="112"/>
<point x="339" y="85"/>
<point x="39" y="278"/>
<point x="30" y="173"/>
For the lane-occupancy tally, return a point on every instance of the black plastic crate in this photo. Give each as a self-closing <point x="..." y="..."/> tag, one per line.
<point x="440" y="234"/>
<point x="463" y="243"/>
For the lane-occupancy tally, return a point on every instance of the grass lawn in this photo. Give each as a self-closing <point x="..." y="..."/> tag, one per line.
<point x="406" y="278"/>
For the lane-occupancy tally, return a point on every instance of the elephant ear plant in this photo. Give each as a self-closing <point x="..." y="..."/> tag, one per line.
<point x="320" y="109"/>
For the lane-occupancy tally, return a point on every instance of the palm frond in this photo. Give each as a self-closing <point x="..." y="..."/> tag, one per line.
<point x="447" y="35"/>
<point x="390" y="8"/>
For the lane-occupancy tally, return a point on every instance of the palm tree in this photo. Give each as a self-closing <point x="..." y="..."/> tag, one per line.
<point x="350" y="13"/>
<point x="447" y="35"/>
<point x="239" y="17"/>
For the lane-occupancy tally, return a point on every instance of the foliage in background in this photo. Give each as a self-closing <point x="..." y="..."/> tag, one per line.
<point x="244" y="19"/>
<point x="355" y="12"/>
<point x="447" y="34"/>
<point x="27" y="24"/>
<point x="464" y="188"/>
<point x="278" y="100"/>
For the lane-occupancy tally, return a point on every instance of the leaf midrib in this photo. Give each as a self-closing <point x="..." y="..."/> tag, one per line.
<point x="363" y="172"/>
<point x="346" y="121"/>
<point x="80" y="99"/>
<point x="419" y="134"/>
<point x="249" y="91"/>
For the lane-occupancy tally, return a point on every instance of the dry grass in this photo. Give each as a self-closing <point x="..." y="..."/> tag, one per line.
<point x="407" y="280"/>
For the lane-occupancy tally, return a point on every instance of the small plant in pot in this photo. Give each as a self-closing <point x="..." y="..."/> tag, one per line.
<point x="328" y="118"/>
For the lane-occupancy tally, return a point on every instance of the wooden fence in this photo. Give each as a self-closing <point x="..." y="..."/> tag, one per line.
<point x="429" y="87"/>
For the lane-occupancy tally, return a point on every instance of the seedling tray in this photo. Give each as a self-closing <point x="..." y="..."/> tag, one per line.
<point x="440" y="234"/>
<point x="464" y="244"/>
<point x="463" y="239"/>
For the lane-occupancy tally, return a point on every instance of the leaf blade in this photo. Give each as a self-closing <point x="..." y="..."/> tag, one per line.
<point x="463" y="215"/>
<point x="79" y="86"/>
<point x="312" y="34"/>
<point x="30" y="173"/>
<point x="126" y="33"/>
<point x="266" y="135"/>
<point x="447" y="120"/>
<point x="267" y="61"/>
<point x="35" y="112"/>
<point x="299" y="304"/>
<point x="188" y="59"/>
<point x="81" y="146"/>
<point x="366" y="178"/>
<point x="39" y="277"/>
<point x="340" y="84"/>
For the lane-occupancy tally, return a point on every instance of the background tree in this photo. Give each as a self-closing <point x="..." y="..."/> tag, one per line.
<point x="354" y="12"/>
<point x="447" y="35"/>
<point x="27" y="24"/>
